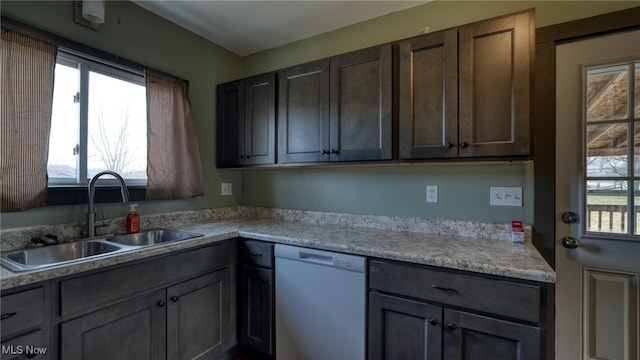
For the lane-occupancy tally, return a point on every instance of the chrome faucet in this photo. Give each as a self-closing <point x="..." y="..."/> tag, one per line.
<point x="91" y="215"/>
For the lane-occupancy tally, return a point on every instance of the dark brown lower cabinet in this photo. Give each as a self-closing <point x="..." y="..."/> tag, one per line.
<point x="25" y="327"/>
<point x="405" y="329"/>
<point x="470" y="337"/>
<point x="256" y="299"/>
<point x="426" y="313"/>
<point x="133" y="329"/>
<point x="197" y="314"/>
<point x="185" y="321"/>
<point x="256" y="303"/>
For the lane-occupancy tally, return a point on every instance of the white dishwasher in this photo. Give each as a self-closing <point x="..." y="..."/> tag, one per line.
<point x="320" y="304"/>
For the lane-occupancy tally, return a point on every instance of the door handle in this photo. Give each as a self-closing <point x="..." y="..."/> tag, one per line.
<point x="569" y="217"/>
<point x="570" y="242"/>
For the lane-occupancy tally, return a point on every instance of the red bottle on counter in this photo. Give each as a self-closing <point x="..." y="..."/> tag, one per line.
<point x="133" y="220"/>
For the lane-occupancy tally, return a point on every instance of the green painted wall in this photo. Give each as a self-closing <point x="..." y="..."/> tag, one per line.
<point x="464" y="189"/>
<point x="136" y="34"/>
<point x="398" y="190"/>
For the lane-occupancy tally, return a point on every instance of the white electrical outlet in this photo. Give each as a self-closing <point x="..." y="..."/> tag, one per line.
<point x="505" y="196"/>
<point x="226" y="189"/>
<point x="432" y="193"/>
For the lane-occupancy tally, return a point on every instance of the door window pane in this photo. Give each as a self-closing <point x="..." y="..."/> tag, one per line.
<point x="607" y="206"/>
<point x="63" y="138"/>
<point x="607" y="150"/>
<point x="637" y="91"/>
<point x="607" y="93"/>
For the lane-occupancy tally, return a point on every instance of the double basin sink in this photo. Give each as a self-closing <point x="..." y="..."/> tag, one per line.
<point x="46" y="256"/>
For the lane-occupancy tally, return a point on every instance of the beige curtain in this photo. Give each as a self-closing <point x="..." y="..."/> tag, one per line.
<point x="27" y="68"/>
<point x="173" y="158"/>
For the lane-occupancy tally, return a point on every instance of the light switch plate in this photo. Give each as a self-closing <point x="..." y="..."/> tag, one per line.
<point x="226" y="189"/>
<point x="432" y="193"/>
<point x="505" y="196"/>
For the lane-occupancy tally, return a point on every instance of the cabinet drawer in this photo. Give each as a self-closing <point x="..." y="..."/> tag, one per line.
<point x="257" y="253"/>
<point x="501" y="297"/>
<point x="98" y="290"/>
<point x="22" y="311"/>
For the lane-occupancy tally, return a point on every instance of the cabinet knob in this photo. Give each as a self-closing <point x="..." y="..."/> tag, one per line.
<point x="161" y="303"/>
<point x="247" y="156"/>
<point x="465" y="144"/>
<point x="333" y="151"/>
<point x="450" y="145"/>
<point x="325" y="152"/>
<point x="175" y="298"/>
<point x="433" y="322"/>
<point x="451" y="326"/>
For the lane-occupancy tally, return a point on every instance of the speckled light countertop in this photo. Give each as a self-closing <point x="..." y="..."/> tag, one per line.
<point x="450" y="247"/>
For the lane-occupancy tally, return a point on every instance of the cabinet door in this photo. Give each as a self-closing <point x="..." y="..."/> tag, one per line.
<point x="256" y="309"/>
<point x="303" y="113"/>
<point x="428" y="100"/>
<point x="260" y="120"/>
<point x="496" y="64"/>
<point x="198" y="320"/>
<point x="133" y="329"/>
<point x="469" y="337"/>
<point x="361" y="105"/>
<point x="230" y="124"/>
<point x="403" y="329"/>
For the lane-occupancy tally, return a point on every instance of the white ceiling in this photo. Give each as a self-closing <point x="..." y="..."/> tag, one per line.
<point x="247" y="27"/>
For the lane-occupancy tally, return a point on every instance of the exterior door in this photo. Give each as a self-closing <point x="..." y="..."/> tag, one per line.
<point x="598" y="197"/>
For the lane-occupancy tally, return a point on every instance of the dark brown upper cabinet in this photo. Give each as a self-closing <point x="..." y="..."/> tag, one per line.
<point x="496" y="72"/>
<point x="428" y="96"/>
<point x="337" y="109"/>
<point x="303" y="113"/>
<point x="466" y="92"/>
<point x="360" y="105"/>
<point x="246" y="122"/>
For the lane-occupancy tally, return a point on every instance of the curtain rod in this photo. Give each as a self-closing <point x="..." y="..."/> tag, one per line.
<point x="86" y="49"/>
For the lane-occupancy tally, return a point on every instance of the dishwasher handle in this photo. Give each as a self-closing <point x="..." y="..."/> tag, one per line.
<point x="321" y="257"/>
<point x="316" y="258"/>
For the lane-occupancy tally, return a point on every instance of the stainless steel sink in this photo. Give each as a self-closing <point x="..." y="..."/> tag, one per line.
<point x="152" y="237"/>
<point x="36" y="258"/>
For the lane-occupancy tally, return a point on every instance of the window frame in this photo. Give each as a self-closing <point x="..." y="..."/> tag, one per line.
<point x="630" y="178"/>
<point x="86" y="63"/>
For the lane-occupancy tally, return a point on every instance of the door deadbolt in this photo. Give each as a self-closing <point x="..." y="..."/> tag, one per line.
<point x="569" y="217"/>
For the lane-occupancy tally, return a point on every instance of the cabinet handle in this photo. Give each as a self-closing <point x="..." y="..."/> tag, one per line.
<point x="247" y="156"/>
<point x="161" y="303"/>
<point x="433" y="322"/>
<point x="445" y="289"/>
<point x="451" y="326"/>
<point x="175" y="298"/>
<point x="241" y="157"/>
<point x="333" y="151"/>
<point x="7" y="315"/>
<point x="256" y="255"/>
<point x="450" y="145"/>
<point x="325" y="152"/>
<point x="465" y="144"/>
